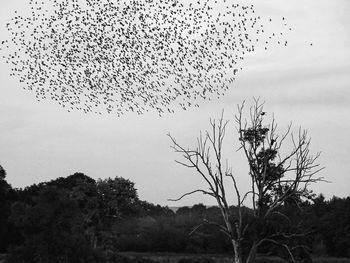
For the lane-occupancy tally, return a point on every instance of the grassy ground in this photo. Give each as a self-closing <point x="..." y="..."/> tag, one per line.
<point x="132" y="257"/>
<point x="2" y="258"/>
<point x="331" y="260"/>
<point x="186" y="258"/>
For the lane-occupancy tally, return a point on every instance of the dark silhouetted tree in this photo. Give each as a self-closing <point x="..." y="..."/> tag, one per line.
<point x="8" y="233"/>
<point x="278" y="177"/>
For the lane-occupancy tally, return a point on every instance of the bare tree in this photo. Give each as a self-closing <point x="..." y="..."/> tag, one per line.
<point x="275" y="179"/>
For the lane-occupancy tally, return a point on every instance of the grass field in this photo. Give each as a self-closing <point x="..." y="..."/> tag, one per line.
<point x="2" y="258"/>
<point x="194" y="258"/>
<point x="132" y="257"/>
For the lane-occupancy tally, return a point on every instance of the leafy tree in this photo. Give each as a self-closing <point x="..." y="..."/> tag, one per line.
<point x="149" y="209"/>
<point x="118" y="196"/>
<point x="8" y="233"/>
<point x="335" y="237"/>
<point x="54" y="229"/>
<point x="2" y="173"/>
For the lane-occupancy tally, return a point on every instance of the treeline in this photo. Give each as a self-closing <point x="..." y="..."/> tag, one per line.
<point x="78" y="219"/>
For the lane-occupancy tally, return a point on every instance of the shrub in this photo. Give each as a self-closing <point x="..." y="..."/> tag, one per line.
<point x="196" y="260"/>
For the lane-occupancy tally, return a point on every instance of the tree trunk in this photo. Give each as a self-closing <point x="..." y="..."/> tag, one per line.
<point x="252" y="253"/>
<point x="238" y="251"/>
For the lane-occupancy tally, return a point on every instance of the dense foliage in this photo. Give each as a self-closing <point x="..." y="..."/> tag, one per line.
<point x="78" y="219"/>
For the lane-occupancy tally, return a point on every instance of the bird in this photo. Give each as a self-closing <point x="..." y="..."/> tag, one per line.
<point x="106" y="56"/>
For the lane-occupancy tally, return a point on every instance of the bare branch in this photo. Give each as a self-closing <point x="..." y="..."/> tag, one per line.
<point x="279" y="244"/>
<point x="207" y="222"/>
<point x="190" y="193"/>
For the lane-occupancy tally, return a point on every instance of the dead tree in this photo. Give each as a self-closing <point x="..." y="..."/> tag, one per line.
<point x="275" y="179"/>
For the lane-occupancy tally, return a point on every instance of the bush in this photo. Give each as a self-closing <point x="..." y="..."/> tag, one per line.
<point x="269" y="260"/>
<point x="124" y="259"/>
<point x="196" y="260"/>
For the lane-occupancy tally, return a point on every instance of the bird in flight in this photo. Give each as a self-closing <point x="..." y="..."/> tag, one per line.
<point x="106" y="56"/>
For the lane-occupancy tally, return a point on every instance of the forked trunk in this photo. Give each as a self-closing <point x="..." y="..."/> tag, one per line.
<point x="238" y="258"/>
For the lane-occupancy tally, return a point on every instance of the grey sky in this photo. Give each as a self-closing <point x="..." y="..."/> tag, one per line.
<point x="306" y="84"/>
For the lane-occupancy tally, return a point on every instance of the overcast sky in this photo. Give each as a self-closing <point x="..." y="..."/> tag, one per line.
<point x="303" y="83"/>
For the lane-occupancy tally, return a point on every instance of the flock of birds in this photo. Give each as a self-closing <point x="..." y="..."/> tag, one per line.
<point x="117" y="56"/>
